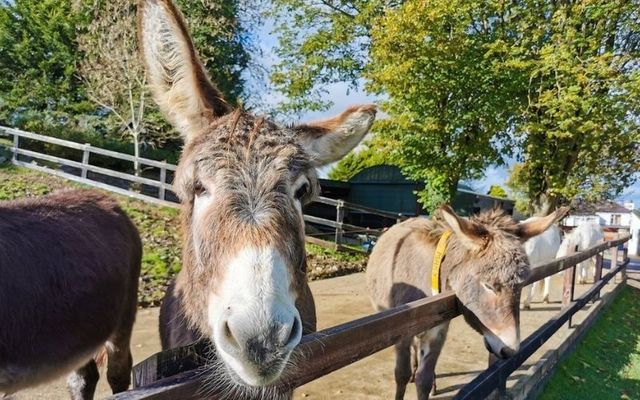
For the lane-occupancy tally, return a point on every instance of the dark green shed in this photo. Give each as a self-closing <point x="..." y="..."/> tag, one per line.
<point x="385" y="188"/>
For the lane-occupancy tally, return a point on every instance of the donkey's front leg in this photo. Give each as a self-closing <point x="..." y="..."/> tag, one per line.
<point x="82" y="382"/>
<point x="526" y="304"/>
<point x="546" y="289"/>
<point x="403" y="366"/>
<point x="431" y="344"/>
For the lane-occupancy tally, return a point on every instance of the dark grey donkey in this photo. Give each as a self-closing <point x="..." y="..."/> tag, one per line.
<point x="69" y="267"/>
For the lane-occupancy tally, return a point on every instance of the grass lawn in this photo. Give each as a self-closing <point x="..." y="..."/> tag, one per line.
<point x="159" y="228"/>
<point x="606" y="364"/>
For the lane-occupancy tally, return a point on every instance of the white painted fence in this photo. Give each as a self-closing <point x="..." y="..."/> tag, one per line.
<point x="85" y="166"/>
<point x="161" y="184"/>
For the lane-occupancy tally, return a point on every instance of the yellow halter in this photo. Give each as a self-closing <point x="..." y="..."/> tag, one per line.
<point x="441" y="248"/>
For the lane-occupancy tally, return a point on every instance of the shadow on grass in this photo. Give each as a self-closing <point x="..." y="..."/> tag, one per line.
<point x="606" y="363"/>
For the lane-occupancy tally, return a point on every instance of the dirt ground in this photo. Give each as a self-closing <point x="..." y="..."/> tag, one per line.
<point x="342" y="299"/>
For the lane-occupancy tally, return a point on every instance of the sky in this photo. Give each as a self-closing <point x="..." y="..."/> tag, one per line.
<point x="343" y="97"/>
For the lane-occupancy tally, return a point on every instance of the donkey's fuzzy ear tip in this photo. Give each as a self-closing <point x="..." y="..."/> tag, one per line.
<point x="370" y="109"/>
<point x="563" y="211"/>
<point x="446" y="208"/>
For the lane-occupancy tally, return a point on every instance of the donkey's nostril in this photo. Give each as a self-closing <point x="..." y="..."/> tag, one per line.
<point x="228" y="335"/>
<point x="506" y="352"/>
<point x="292" y="336"/>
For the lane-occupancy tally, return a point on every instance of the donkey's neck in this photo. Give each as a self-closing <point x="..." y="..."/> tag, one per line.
<point x="453" y="258"/>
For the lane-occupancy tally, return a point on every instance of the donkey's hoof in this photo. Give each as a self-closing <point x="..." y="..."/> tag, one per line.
<point x="526" y="307"/>
<point x="546" y="300"/>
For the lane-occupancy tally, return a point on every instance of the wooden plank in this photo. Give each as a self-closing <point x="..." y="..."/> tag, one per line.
<point x="85" y="159"/>
<point x="92" y="168"/>
<point x="542" y="271"/>
<point x="185" y="386"/>
<point x="163" y="180"/>
<point x="16" y="145"/>
<point x="320" y="221"/>
<point x="568" y="286"/>
<point x="43" y="138"/>
<point x="171" y="362"/>
<point x="486" y="382"/>
<point x="331" y="349"/>
<point x="614" y="257"/>
<point x="339" y="220"/>
<point x="598" y="273"/>
<point x="96" y="184"/>
<point x="346" y="228"/>
<point x="358" y="207"/>
<point x="79" y="146"/>
<point x="324" y="243"/>
<point x="326" y="351"/>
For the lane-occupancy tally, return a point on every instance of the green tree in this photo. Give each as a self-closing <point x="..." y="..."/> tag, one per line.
<point x="497" y="191"/>
<point x="39" y="83"/>
<point x="320" y="43"/>
<point x="468" y="82"/>
<point x="437" y="65"/>
<point x="450" y="103"/>
<point x="580" y="127"/>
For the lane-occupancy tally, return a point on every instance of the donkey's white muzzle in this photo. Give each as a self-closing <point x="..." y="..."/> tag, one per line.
<point x="504" y="343"/>
<point x="253" y="318"/>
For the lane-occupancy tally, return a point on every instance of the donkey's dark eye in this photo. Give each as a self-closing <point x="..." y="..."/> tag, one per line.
<point x="198" y="189"/>
<point x="302" y="191"/>
<point x="488" y="287"/>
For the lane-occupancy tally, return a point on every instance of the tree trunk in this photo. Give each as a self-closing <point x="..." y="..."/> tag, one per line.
<point x="543" y="205"/>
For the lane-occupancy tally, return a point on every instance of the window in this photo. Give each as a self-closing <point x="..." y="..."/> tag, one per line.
<point x="616" y="219"/>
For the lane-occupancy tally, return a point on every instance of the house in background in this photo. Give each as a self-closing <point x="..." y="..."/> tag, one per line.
<point x="610" y="214"/>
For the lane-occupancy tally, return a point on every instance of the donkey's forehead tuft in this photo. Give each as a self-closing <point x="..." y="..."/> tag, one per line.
<point x="497" y="219"/>
<point x="505" y="262"/>
<point x="240" y="137"/>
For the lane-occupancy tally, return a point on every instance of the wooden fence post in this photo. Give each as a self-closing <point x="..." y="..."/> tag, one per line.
<point x="568" y="288"/>
<point x="501" y="387"/>
<point x="598" y="274"/>
<point x="85" y="160"/>
<point x="614" y="260"/>
<point x="623" y="271"/>
<point x="163" y="180"/>
<point x="339" y="220"/>
<point x="16" y="146"/>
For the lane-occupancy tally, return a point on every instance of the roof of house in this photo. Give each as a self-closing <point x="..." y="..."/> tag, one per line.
<point x="602" y="206"/>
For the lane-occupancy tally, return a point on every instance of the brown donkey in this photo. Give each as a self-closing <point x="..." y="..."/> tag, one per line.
<point x="484" y="264"/>
<point x="242" y="181"/>
<point x="69" y="267"/>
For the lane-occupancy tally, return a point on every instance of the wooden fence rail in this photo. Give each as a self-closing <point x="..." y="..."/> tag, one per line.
<point x="326" y="351"/>
<point x="160" y="184"/>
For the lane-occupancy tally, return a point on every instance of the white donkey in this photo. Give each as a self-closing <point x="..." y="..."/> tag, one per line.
<point x="541" y="249"/>
<point x="583" y="236"/>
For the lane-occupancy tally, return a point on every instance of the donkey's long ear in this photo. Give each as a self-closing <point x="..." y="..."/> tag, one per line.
<point x="329" y="140"/>
<point x="471" y="235"/>
<point x="527" y="230"/>
<point x="176" y="76"/>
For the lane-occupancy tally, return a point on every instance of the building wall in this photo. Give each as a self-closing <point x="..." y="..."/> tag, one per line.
<point x="575" y="220"/>
<point x="623" y="219"/>
<point x="630" y="220"/>
<point x="634" y="243"/>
